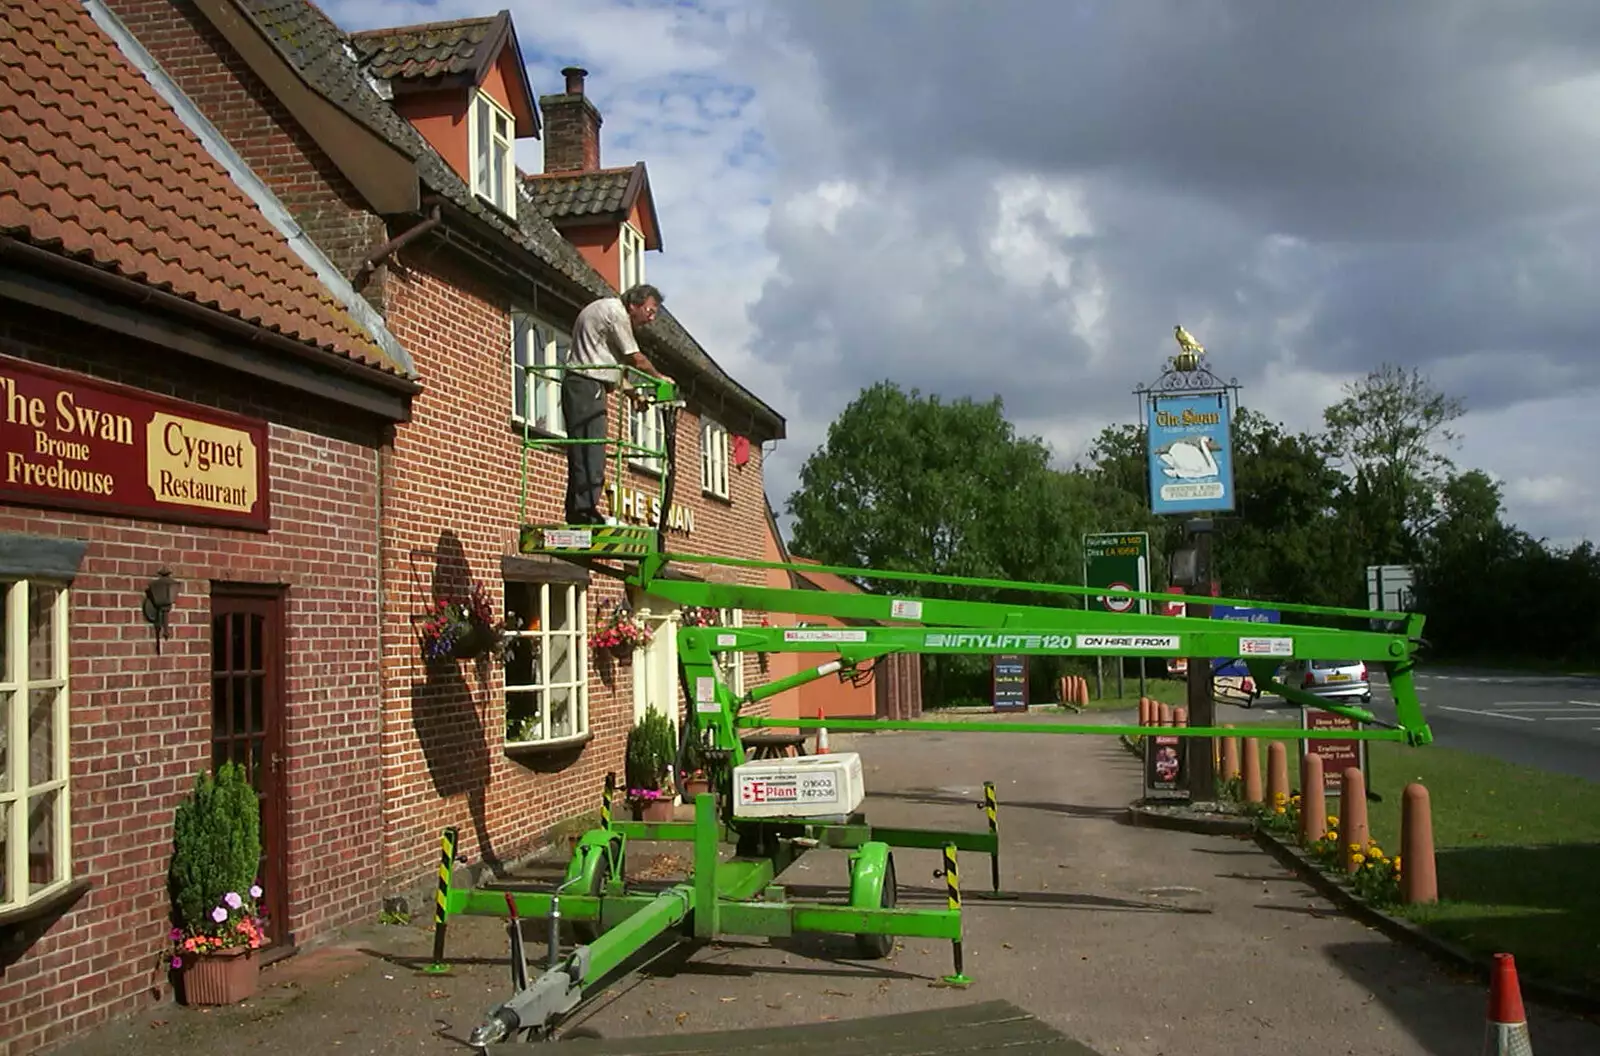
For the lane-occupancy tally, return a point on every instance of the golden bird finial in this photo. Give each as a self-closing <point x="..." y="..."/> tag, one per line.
<point x="1186" y="341"/>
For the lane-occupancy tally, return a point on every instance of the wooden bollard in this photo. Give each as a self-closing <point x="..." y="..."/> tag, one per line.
<point x="1313" y="804"/>
<point x="1144" y="711"/>
<point x="1230" y="757"/>
<point x="1081" y="689"/>
<point x="1277" y="774"/>
<point x="1419" y="879"/>
<point x="1180" y="716"/>
<point x="1252" y="770"/>
<point x="1165" y="715"/>
<point x="1353" y="829"/>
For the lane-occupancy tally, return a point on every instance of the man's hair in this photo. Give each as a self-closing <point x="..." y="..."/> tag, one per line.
<point x="637" y="295"/>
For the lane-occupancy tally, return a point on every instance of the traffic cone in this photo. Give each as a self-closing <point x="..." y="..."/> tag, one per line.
<point x="822" y="734"/>
<point x="1507" y="1033"/>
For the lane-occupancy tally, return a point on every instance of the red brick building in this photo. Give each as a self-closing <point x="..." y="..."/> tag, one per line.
<point x="192" y="406"/>
<point x="348" y="270"/>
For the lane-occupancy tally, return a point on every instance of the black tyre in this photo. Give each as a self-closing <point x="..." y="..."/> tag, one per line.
<point x="876" y="947"/>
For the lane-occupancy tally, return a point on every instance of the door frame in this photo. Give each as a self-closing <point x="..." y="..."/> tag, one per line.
<point x="274" y="750"/>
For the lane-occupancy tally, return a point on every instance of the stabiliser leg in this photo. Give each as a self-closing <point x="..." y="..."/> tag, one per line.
<point x="952" y="884"/>
<point x="989" y="806"/>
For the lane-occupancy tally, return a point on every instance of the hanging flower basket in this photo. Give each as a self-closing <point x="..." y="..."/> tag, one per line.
<point x="619" y="634"/>
<point x="461" y="627"/>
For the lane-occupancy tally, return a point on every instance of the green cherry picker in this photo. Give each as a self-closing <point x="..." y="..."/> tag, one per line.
<point x="762" y="815"/>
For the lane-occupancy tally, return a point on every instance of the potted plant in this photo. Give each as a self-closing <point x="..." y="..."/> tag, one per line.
<point x="620" y="634"/>
<point x="695" y="778"/>
<point x="461" y="627"/>
<point x="216" y="850"/>
<point x="651" y="746"/>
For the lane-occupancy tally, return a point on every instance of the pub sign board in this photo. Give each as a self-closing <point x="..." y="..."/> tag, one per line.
<point x="70" y="441"/>
<point x="1009" y="683"/>
<point x="1166" y="770"/>
<point x="1337" y="753"/>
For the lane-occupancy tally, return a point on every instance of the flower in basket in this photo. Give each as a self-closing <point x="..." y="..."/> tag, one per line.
<point x="699" y="616"/>
<point x="461" y="626"/>
<point x="642" y="795"/>
<point x="620" y="630"/>
<point x="233" y="923"/>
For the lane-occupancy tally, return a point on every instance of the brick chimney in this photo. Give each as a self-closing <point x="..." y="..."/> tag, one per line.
<point x="571" y="127"/>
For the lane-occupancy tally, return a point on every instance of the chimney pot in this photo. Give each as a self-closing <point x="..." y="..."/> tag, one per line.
<point x="575" y="76"/>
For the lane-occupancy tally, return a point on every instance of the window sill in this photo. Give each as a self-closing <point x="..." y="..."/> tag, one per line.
<point x="50" y="906"/>
<point x="555" y="744"/>
<point x="724" y="499"/>
<point x="532" y="432"/>
<point x="643" y="470"/>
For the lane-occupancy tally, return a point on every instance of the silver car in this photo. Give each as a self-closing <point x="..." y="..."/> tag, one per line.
<point x="1329" y="678"/>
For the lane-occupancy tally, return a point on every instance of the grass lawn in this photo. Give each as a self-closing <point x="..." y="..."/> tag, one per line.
<point x="1168" y="690"/>
<point x="1518" y="853"/>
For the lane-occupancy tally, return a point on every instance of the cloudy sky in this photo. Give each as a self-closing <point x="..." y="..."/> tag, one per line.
<point x="1023" y="196"/>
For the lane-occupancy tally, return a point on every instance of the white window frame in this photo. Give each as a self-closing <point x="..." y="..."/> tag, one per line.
<point x="714" y="459"/>
<point x="17" y="790"/>
<point x="493" y="163"/>
<point x="535" y="344"/>
<point x="630" y="250"/>
<point x="647" y="428"/>
<point x="575" y="635"/>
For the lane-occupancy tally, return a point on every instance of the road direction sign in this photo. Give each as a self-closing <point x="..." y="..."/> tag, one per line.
<point x="1118" y="561"/>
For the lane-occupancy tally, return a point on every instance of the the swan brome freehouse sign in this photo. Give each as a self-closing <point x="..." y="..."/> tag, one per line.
<point x="70" y="441"/>
<point x="1190" y="453"/>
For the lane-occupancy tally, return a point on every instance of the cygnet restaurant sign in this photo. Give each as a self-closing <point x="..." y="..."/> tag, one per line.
<point x="69" y="441"/>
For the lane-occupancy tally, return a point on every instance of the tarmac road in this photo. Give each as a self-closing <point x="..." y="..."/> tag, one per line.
<point x="1551" y="722"/>
<point x="1134" y="941"/>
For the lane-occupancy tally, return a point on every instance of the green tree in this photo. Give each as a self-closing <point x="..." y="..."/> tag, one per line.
<point x="1390" y="429"/>
<point x="906" y="482"/>
<point x="1280" y="543"/>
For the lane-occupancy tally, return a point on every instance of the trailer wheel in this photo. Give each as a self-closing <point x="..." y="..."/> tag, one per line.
<point x="586" y="931"/>
<point x="875" y="947"/>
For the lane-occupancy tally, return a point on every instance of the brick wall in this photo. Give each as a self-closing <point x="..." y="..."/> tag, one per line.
<point x="452" y="502"/>
<point x="207" y="69"/>
<point x="141" y="723"/>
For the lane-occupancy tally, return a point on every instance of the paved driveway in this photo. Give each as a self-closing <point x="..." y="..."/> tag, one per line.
<point x="1133" y="941"/>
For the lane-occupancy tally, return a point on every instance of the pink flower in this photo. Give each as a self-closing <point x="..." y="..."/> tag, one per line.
<point x="219" y="914"/>
<point x="177" y="962"/>
<point x="175" y="935"/>
<point x="255" y="891"/>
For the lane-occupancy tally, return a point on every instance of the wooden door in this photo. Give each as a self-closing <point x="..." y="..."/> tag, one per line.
<point x="247" y="721"/>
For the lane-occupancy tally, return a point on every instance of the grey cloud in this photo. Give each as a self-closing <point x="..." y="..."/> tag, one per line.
<point x="1312" y="187"/>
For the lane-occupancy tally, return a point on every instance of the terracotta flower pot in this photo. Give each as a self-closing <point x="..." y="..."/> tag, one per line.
<point x="652" y="809"/>
<point x="222" y="978"/>
<point x="694" y="786"/>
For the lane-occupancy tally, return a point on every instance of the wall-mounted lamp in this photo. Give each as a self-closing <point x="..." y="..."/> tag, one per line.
<point x="158" y="598"/>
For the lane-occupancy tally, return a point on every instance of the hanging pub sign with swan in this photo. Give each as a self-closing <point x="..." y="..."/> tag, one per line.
<point x="1189" y="448"/>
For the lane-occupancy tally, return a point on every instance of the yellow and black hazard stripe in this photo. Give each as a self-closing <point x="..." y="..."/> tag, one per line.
<point x="990" y="805"/>
<point x="952" y="877"/>
<point x="605" y="800"/>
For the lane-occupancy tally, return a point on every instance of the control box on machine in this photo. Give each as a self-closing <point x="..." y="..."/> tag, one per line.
<point x="805" y="786"/>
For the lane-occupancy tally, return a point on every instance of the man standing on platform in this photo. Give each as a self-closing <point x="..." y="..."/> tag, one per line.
<point x="602" y="338"/>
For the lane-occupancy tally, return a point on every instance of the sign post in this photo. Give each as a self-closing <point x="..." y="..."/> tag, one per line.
<point x="1188" y="416"/>
<point x="1119" y="561"/>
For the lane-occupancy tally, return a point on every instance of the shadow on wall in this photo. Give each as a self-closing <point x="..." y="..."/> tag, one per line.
<point x="449" y="717"/>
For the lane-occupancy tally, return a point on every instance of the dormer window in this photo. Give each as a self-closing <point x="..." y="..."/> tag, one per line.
<point x="631" y="245"/>
<point x="493" y="158"/>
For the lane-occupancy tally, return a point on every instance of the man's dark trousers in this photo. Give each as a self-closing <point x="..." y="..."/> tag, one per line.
<point x="583" y="407"/>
